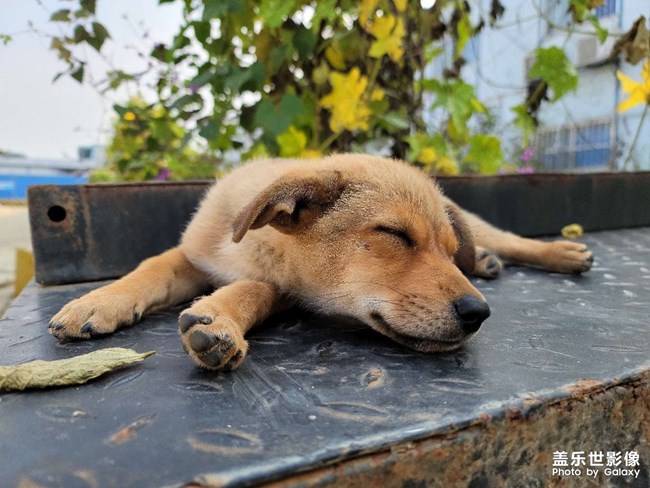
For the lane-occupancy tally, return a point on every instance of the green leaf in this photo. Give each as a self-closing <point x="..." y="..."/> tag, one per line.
<point x="218" y="8"/>
<point x="304" y="41"/>
<point x="62" y="15"/>
<point x="273" y="12"/>
<point x="161" y="53"/>
<point x="396" y="119"/>
<point x="485" y="152"/>
<point x="250" y="78"/>
<point x="552" y="66"/>
<point x="464" y="32"/>
<point x="601" y="32"/>
<point x="201" y="31"/>
<point x="183" y="101"/>
<point x="431" y="52"/>
<point x="205" y="74"/>
<point x="292" y="142"/>
<point x="278" y="57"/>
<point x="64" y="53"/>
<point x="88" y="5"/>
<point x="80" y="34"/>
<point x="120" y="110"/>
<point x="5" y="39"/>
<point x="525" y="122"/>
<point x="78" y="74"/>
<point x="275" y="119"/>
<point x="210" y="130"/>
<point x="325" y="10"/>
<point x="100" y="34"/>
<point x="72" y="371"/>
<point x="455" y="96"/>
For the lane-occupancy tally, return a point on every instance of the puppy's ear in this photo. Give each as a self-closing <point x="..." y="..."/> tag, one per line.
<point x="291" y="203"/>
<point x="465" y="257"/>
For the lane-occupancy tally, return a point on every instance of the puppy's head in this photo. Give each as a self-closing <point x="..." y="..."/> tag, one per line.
<point x="375" y="239"/>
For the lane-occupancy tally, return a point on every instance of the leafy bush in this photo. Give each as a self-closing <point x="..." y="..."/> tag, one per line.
<point x="149" y="144"/>
<point x="299" y="78"/>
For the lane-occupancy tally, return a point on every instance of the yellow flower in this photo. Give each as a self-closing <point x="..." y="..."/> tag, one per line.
<point x="377" y="94"/>
<point x="335" y="56"/>
<point x="443" y="165"/>
<point x="310" y="154"/>
<point x="427" y="156"/>
<point x="389" y="33"/>
<point x="366" y="9"/>
<point x="446" y="166"/>
<point x="347" y="102"/>
<point x="400" y="5"/>
<point x="129" y="116"/>
<point x="572" y="231"/>
<point x="639" y="92"/>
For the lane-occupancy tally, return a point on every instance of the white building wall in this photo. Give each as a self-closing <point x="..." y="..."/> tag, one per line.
<point x="499" y="74"/>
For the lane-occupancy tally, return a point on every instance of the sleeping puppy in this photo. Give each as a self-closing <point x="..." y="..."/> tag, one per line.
<point x="350" y="234"/>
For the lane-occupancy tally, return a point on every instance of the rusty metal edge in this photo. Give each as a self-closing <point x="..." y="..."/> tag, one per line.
<point x="79" y="248"/>
<point x="452" y="452"/>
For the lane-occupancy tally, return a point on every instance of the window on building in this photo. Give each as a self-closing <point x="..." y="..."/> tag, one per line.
<point x="583" y="146"/>
<point x="593" y="145"/>
<point x="606" y="9"/>
<point x="558" y="11"/>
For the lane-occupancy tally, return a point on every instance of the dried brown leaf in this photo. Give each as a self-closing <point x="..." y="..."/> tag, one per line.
<point x="72" y="371"/>
<point x="635" y="43"/>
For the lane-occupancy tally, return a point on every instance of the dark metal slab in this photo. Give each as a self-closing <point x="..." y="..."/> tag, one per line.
<point x="316" y="391"/>
<point x="93" y="232"/>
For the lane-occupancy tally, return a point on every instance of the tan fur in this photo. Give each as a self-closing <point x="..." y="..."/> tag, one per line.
<point x="358" y="235"/>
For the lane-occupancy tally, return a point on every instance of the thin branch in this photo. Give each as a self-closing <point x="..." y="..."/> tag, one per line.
<point x="636" y="137"/>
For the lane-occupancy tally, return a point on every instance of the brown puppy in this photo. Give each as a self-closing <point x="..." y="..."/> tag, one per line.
<point x="350" y="234"/>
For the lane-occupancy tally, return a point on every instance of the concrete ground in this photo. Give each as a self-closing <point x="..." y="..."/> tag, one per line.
<point x="14" y="233"/>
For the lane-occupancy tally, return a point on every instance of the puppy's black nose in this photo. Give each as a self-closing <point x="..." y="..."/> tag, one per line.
<point x="472" y="312"/>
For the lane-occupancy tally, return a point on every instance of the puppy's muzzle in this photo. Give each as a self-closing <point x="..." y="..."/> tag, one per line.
<point x="471" y="312"/>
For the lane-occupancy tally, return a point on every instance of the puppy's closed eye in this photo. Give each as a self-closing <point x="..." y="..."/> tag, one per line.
<point x="400" y="234"/>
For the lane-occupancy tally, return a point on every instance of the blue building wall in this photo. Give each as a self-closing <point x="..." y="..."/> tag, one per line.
<point x="15" y="186"/>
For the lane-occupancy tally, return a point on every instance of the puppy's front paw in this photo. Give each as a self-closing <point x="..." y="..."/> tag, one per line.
<point x="214" y="343"/>
<point x="568" y="257"/>
<point x="488" y="265"/>
<point x="95" y="314"/>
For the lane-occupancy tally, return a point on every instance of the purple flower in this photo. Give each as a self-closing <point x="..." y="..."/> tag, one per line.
<point x="163" y="174"/>
<point x="527" y="155"/>
<point x="526" y="170"/>
<point x="194" y="88"/>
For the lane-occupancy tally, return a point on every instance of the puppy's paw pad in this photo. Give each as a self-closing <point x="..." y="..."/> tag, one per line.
<point x="488" y="265"/>
<point x="188" y="320"/>
<point x="216" y="344"/>
<point x="215" y="351"/>
<point x="201" y="341"/>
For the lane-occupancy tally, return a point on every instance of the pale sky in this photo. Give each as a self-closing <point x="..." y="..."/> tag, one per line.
<point x="44" y="119"/>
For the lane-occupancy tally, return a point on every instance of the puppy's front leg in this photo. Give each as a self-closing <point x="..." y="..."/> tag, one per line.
<point x="213" y="328"/>
<point x="158" y="282"/>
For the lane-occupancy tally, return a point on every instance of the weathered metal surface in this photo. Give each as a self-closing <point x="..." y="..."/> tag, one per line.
<point x="93" y="232"/>
<point x="562" y="364"/>
<point x="538" y="205"/>
<point x="511" y="449"/>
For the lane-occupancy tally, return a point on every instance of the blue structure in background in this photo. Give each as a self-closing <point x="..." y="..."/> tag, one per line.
<point x="15" y="186"/>
<point x="18" y="172"/>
